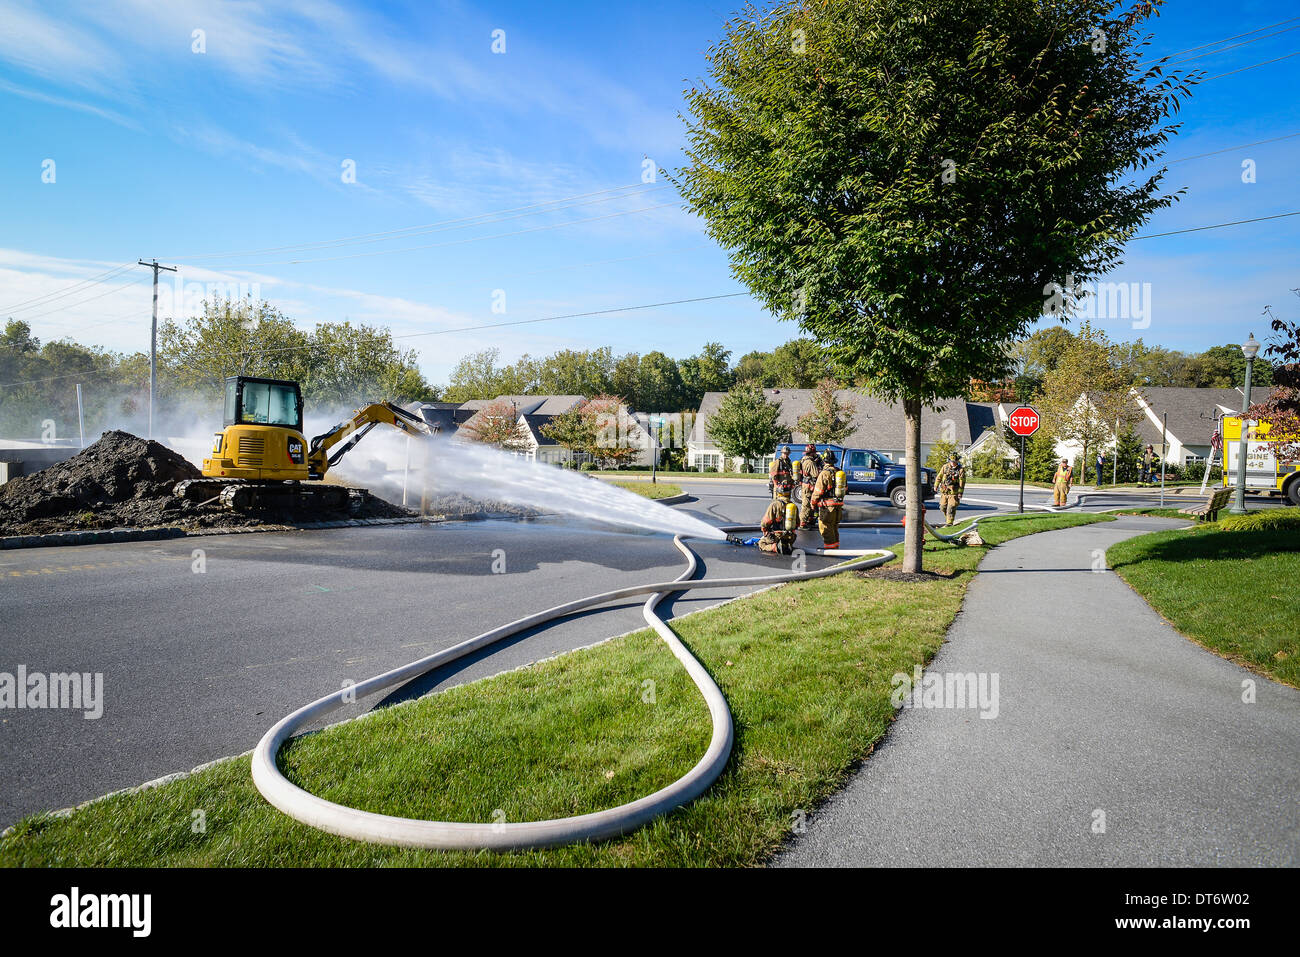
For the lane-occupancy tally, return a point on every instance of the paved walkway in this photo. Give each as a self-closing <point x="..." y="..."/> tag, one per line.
<point x="1102" y="707"/>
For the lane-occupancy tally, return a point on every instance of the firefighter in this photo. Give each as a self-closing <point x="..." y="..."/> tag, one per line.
<point x="951" y="483"/>
<point x="1061" y="482"/>
<point x="777" y="527"/>
<point x="781" y="472"/>
<point x="809" y="467"/>
<point x="828" y="499"/>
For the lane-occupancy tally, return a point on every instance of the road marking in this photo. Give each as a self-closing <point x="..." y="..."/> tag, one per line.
<point x="97" y="566"/>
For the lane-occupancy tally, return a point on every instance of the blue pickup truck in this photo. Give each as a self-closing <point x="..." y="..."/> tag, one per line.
<point x="870" y="473"/>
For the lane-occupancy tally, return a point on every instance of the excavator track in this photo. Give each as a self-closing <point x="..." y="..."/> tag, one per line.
<point x="241" y="495"/>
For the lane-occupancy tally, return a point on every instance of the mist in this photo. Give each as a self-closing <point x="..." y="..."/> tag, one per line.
<point x="480" y="472"/>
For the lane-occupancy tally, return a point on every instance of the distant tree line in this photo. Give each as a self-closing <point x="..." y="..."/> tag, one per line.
<point x="341" y="364"/>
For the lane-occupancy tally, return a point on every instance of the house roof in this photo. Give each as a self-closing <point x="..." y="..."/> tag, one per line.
<point x="442" y="419"/>
<point x="534" y="425"/>
<point x="1193" y="413"/>
<point x="879" y="424"/>
<point x="525" y="405"/>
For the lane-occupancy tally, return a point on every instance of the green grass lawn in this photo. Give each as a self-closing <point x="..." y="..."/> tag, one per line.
<point x="651" y="490"/>
<point x="806" y="669"/>
<point x="1235" y="592"/>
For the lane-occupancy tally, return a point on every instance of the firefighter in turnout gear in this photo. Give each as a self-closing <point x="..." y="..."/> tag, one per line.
<point x="781" y="472"/>
<point x="1061" y="483"/>
<point x="809" y="468"/>
<point x="778" y="527"/>
<point x="828" y="499"/>
<point x="951" y="484"/>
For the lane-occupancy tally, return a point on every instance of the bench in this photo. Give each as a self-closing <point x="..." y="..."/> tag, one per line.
<point x="1208" y="509"/>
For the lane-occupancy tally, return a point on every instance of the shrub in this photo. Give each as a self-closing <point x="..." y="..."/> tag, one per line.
<point x="939" y="453"/>
<point x="1264" y="520"/>
<point x="992" y="464"/>
<point x="587" y="467"/>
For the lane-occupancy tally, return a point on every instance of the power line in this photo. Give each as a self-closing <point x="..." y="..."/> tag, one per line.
<point x="82" y="302"/>
<point x="1229" y="149"/>
<point x="54" y="378"/>
<point x="1198" y="229"/>
<point x="1217" y="42"/>
<point x="1219" y="76"/>
<point x="38" y="301"/>
<point x="595" y="312"/>
<point x="488" y="325"/>
<point x="1233" y="46"/>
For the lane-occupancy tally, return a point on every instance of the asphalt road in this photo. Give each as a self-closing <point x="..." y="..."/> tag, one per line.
<point x="198" y="664"/>
<point x="1115" y="740"/>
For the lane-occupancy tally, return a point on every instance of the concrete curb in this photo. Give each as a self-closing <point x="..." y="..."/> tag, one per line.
<point x="675" y="499"/>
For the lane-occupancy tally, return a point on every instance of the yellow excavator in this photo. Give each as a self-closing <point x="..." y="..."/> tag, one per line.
<point x="262" y="460"/>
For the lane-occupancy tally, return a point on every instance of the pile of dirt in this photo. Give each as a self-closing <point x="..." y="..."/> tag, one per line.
<point x="124" y="481"/>
<point x="120" y="480"/>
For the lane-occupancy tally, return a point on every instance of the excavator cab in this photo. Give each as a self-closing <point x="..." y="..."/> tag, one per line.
<point x="262" y="439"/>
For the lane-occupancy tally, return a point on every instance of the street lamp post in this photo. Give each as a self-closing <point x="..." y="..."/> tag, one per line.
<point x="1249" y="349"/>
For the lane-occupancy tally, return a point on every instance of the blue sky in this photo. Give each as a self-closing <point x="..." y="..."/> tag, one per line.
<point x="162" y="151"/>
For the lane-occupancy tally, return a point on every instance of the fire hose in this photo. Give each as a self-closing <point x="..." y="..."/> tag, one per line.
<point x="502" y="835"/>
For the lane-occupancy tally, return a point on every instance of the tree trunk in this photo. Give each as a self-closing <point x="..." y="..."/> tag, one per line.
<point x="915" y="510"/>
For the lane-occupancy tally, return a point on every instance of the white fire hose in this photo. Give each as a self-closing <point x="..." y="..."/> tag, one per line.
<point x="451" y="835"/>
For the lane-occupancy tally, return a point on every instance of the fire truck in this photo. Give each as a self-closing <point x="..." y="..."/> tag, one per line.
<point x="1266" y="471"/>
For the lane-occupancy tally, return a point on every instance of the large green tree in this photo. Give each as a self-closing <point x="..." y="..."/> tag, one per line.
<point x="1224" y="367"/>
<point x="907" y="181"/>
<point x="229" y="337"/>
<point x="338" y="364"/>
<point x="38" y="387"/>
<point x="709" y="371"/>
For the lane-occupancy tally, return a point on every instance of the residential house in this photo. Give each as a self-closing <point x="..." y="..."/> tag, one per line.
<point x="534" y="412"/>
<point x="878" y="425"/>
<point x="1181" y="421"/>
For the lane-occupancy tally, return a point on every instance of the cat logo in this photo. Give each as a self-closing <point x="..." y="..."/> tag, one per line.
<point x="295" y="451"/>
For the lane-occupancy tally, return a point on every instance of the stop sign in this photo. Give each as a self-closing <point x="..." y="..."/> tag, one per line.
<point x="1023" y="421"/>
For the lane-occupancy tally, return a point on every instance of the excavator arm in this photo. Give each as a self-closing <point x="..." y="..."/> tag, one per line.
<point x="350" y="431"/>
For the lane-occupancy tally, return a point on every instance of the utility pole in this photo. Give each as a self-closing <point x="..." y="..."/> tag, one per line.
<point x="153" y="337"/>
<point x="1249" y="349"/>
<point x="1164" y="453"/>
<point x="1114" y="459"/>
